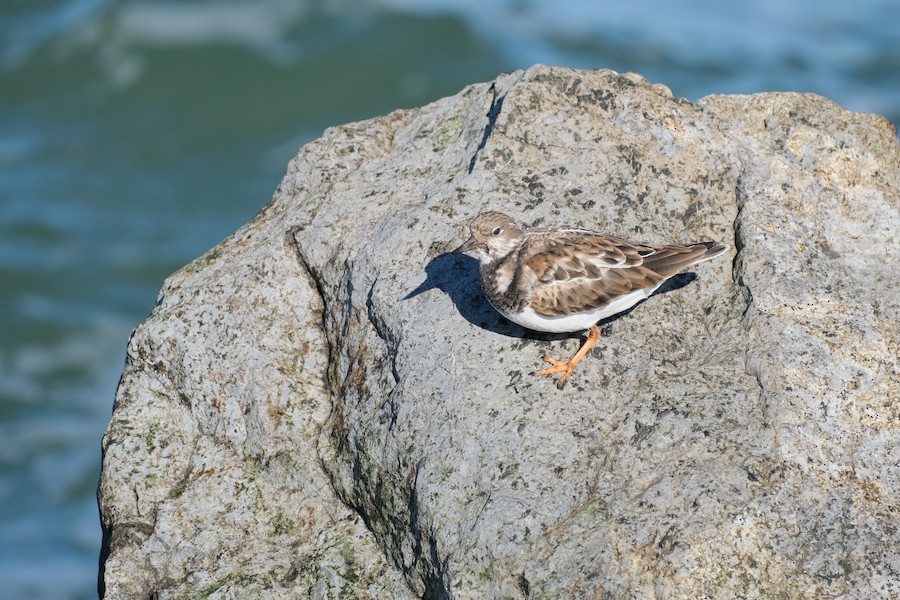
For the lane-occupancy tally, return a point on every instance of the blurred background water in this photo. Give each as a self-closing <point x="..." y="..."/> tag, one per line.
<point x="134" y="135"/>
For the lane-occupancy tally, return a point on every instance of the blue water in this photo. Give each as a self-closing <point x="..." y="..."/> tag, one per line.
<point x="135" y="135"/>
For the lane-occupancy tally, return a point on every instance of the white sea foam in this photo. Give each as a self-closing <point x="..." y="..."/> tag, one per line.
<point x="822" y="39"/>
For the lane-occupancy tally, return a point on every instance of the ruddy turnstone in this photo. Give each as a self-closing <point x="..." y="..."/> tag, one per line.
<point x="564" y="280"/>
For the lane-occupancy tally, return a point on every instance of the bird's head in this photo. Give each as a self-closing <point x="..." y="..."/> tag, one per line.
<point x="494" y="235"/>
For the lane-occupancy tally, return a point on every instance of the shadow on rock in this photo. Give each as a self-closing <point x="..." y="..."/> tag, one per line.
<point x="457" y="276"/>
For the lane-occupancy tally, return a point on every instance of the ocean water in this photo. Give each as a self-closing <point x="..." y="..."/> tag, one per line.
<point x="134" y="135"/>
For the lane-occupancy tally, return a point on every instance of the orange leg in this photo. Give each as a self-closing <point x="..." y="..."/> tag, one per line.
<point x="568" y="367"/>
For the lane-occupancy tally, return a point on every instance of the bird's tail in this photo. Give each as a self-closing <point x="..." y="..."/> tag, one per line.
<point x="669" y="260"/>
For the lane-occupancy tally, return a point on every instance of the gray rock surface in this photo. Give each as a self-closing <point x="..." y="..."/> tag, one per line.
<point x="325" y="406"/>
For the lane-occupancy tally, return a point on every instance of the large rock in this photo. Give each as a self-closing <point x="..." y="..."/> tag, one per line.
<point x="325" y="405"/>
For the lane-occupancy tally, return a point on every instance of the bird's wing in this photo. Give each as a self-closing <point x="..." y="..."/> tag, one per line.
<point x="584" y="271"/>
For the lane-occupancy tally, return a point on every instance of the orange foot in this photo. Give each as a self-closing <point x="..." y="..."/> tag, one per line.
<point x="568" y="367"/>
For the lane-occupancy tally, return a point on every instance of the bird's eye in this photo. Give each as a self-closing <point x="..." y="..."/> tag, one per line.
<point x="496" y="231"/>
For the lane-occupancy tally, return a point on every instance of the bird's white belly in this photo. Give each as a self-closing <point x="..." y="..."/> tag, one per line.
<point x="578" y="321"/>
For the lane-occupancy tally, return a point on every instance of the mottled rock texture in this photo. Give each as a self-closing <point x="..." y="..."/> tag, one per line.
<point x="325" y="406"/>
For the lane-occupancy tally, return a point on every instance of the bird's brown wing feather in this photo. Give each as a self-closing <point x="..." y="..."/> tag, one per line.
<point x="581" y="271"/>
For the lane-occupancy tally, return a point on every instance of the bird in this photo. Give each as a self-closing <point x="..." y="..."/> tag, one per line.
<point x="565" y="280"/>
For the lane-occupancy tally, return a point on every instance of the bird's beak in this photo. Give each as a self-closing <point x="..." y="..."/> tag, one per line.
<point x="468" y="245"/>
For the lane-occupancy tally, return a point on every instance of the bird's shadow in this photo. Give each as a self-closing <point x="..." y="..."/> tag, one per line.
<point x="457" y="276"/>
